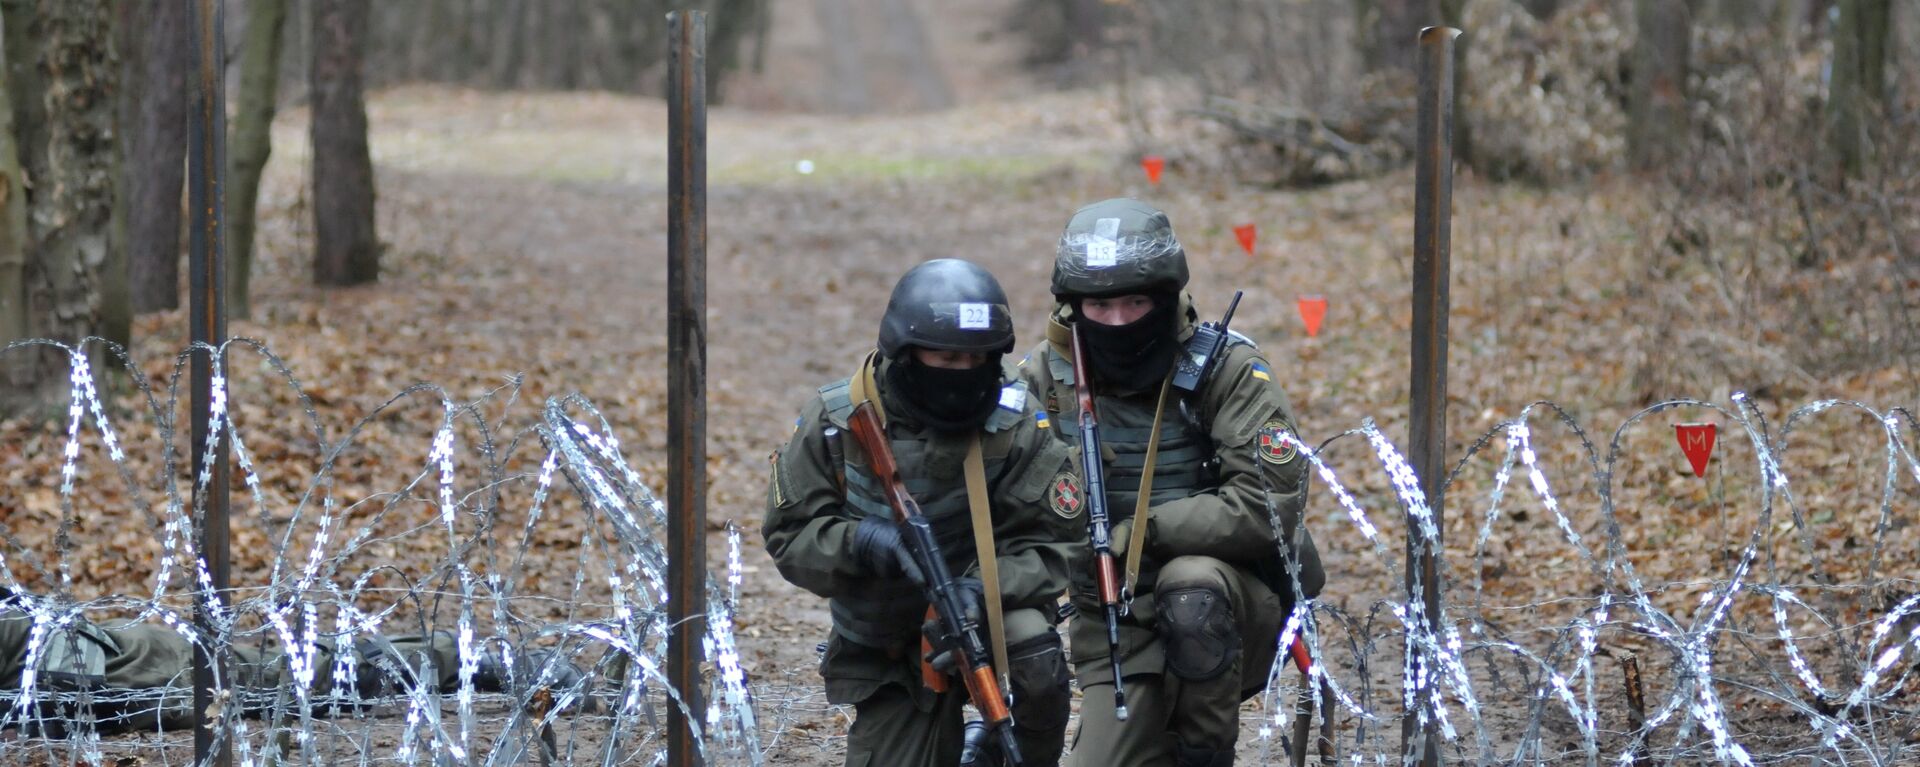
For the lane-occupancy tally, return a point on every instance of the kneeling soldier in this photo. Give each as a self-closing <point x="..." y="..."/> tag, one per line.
<point x="1203" y="462"/>
<point x="972" y="451"/>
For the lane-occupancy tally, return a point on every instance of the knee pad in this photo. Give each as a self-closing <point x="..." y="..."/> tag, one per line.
<point x="1196" y="626"/>
<point x="1040" y="680"/>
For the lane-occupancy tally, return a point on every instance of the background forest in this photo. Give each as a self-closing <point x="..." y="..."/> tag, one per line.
<point x="1654" y="199"/>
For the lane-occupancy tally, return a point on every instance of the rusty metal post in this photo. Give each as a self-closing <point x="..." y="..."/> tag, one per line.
<point x="686" y="374"/>
<point x="1427" y="438"/>
<point x="207" y="310"/>
<point x="1636" y="704"/>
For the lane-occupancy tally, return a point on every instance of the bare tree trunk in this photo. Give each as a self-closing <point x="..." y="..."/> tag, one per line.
<point x="534" y="62"/>
<point x="427" y="40"/>
<point x="566" y="39"/>
<point x="1859" y="86"/>
<point x="252" y="144"/>
<point x="116" y="296"/>
<point x="297" y="60"/>
<point x="346" y="251"/>
<point x="509" y="42"/>
<point x="157" y="175"/>
<point x="66" y="138"/>
<point x="17" y="375"/>
<point x="1657" y="131"/>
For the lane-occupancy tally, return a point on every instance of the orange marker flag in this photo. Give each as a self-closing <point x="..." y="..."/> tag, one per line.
<point x="1696" y="440"/>
<point x="1153" y="164"/>
<point x="1313" y="309"/>
<point x="1246" y="234"/>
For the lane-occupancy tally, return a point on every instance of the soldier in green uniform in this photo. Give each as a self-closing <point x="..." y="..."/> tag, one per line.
<point x="140" y="676"/>
<point x="1213" y="584"/>
<point x="939" y="380"/>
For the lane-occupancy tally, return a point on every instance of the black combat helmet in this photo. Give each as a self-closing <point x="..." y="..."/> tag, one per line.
<point x="1116" y="247"/>
<point x="947" y="304"/>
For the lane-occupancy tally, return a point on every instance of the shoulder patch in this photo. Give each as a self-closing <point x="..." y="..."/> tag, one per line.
<point x="1260" y="370"/>
<point x="1273" y="446"/>
<point x="1065" y="496"/>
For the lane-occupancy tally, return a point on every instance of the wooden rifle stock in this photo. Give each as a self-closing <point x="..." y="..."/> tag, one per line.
<point x="1093" y="479"/>
<point x="963" y="634"/>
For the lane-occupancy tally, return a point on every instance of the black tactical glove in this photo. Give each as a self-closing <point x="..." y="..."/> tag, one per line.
<point x="974" y="746"/>
<point x="876" y="543"/>
<point x="946" y="651"/>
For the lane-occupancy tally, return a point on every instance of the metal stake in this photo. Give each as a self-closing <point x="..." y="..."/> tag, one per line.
<point x="1427" y="440"/>
<point x="207" y="275"/>
<point x="686" y="374"/>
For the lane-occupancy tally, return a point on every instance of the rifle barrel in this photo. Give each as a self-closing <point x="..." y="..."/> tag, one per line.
<point x="1107" y="579"/>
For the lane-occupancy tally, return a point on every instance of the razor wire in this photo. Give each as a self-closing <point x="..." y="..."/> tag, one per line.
<point x="1760" y="664"/>
<point x="1734" y="690"/>
<point x="342" y="655"/>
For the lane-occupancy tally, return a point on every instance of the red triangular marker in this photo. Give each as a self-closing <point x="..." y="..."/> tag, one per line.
<point x="1153" y="164"/>
<point x="1313" y="309"/>
<point x="1696" y="440"/>
<point x="1246" y="234"/>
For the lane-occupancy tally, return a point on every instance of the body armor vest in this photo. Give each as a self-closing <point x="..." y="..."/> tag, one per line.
<point x="1183" y="466"/>
<point x="890" y="613"/>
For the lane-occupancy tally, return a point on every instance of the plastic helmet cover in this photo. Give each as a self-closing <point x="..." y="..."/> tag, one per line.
<point x="1116" y="247"/>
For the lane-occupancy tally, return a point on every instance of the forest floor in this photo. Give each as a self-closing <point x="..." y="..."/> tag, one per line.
<point x="527" y="236"/>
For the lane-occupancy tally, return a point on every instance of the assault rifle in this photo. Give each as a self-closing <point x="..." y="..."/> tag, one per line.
<point x="963" y="633"/>
<point x="1093" y="481"/>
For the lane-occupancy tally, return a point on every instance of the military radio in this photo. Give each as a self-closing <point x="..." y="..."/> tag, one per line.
<point x="1208" y="341"/>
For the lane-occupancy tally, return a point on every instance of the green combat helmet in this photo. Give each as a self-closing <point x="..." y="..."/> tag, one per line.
<point x="1116" y="247"/>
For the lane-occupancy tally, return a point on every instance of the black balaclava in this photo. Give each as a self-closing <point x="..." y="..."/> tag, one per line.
<point x="1136" y="356"/>
<point x="943" y="399"/>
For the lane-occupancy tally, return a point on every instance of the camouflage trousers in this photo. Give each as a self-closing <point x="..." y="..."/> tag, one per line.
<point x="898" y="722"/>
<point x="1175" y="721"/>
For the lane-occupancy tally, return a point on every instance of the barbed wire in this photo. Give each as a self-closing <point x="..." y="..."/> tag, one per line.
<point x="510" y="654"/>
<point x="1734" y="690"/>
<point x="547" y="564"/>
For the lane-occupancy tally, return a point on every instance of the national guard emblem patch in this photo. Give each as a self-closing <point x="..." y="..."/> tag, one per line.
<point x="1065" y="496"/>
<point x="1272" y="447"/>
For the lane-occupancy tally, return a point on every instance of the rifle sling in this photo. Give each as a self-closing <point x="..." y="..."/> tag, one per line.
<point x="1137" y="540"/>
<point x="976" y="472"/>
<point x="861" y="389"/>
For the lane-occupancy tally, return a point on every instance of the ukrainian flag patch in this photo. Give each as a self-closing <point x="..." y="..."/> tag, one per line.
<point x="1040" y="419"/>
<point x="1261" y="371"/>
